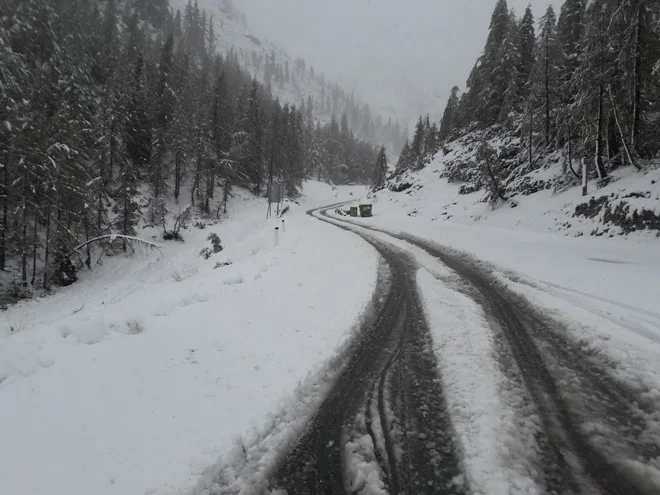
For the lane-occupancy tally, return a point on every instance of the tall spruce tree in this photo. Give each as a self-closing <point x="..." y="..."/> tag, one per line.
<point x="527" y="45"/>
<point x="380" y="169"/>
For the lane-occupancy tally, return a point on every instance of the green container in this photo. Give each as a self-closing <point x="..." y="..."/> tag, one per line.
<point x="354" y="211"/>
<point x="365" y="210"/>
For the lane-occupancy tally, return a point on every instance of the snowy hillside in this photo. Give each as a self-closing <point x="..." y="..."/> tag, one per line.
<point x="295" y="81"/>
<point x="139" y="376"/>
<point x="546" y="199"/>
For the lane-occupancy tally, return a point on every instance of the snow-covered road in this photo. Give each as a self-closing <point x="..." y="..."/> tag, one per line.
<point x="516" y="368"/>
<point x="531" y="409"/>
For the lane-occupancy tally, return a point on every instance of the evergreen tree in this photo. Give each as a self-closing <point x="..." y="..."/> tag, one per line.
<point x="138" y="125"/>
<point x="484" y="95"/>
<point x="547" y="69"/>
<point x="527" y="45"/>
<point x="450" y="116"/>
<point x="380" y="169"/>
<point x="591" y="81"/>
<point x="417" y="145"/>
<point x="254" y="161"/>
<point x="508" y="78"/>
<point x="404" y="162"/>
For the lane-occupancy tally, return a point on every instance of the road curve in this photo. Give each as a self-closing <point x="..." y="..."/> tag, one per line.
<point x="389" y="391"/>
<point x="570" y="388"/>
<point x="391" y="379"/>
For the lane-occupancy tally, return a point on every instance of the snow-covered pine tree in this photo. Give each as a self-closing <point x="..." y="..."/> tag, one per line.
<point x="527" y="46"/>
<point x="380" y="169"/>
<point x="545" y="82"/>
<point x="507" y="76"/>
<point x="449" y="120"/>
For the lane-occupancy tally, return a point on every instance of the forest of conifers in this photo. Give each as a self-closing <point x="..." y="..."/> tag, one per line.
<point x="584" y="85"/>
<point x="112" y="109"/>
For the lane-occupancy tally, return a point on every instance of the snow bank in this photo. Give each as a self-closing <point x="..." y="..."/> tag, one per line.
<point x="137" y="378"/>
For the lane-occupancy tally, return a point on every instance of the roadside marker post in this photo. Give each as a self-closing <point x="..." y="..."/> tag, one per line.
<point x="277" y="236"/>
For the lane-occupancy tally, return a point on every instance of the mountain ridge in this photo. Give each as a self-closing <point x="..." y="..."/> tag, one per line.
<point x="300" y="79"/>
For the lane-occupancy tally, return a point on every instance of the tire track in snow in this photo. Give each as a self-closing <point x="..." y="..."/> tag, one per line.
<point x="398" y="341"/>
<point x="623" y="459"/>
<point x="583" y="393"/>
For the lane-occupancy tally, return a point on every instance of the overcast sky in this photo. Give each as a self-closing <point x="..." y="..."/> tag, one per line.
<point x="435" y="42"/>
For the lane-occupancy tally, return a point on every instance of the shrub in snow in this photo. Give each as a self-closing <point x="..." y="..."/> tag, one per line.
<point x="170" y="235"/>
<point x="215" y="242"/>
<point x="491" y="168"/>
<point x="17" y="291"/>
<point x="135" y="327"/>
<point x="180" y="221"/>
<point x="220" y="264"/>
<point x="20" y="321"/>
<point x="216" y="246"/>
<point x="64" y="272"/>
<point x="182" y="274"/>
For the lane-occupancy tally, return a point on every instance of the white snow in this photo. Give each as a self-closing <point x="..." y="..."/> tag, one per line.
<point x="605" y="290"/>
<point x="496" y="431"/>
<point x="150" y="369"/>
<point x="496" y="441"/>
<point x="363" y="474"/>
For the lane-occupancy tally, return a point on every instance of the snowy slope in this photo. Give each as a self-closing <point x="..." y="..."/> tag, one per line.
<point x="427" y="194"/>
<point x="138" y="378"/>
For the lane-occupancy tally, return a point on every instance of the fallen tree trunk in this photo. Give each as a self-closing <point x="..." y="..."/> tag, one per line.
<point x="112" y="237"/>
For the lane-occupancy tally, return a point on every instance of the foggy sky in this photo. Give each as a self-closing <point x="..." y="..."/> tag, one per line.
<point x="435" y="42"/>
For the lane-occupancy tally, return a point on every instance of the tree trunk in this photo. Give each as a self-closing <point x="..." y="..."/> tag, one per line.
<point x="177" y="175"/>
<point x="111" y="164"/>
<point x="600" y="169"/>
<point x="623" y="140"/>
<point x="570" y="156"/>
<point x="194" y="186"/>
<point x="99" y="199"/>
<point x="5" y="208"/>
<point x="529" y="140"/>
<point x="584" y="177"/>
<point x="637" y="77"/>
<point x="159" y="171"/>
<point x="210" y="186"/>
<point x="88" y="258"/>
<point x="126" y="210"/>
<point x="225" y="194"/>
<point x="547" y="94"/>
<point x="24" y="241"/>
<point x="24" y="226"/>
<point x="35" y="240"/>
<point x="47" y="246"/>
<point x="198" y="167"/>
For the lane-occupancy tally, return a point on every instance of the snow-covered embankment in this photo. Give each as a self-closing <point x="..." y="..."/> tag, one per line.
<point x="142" y="375"/>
